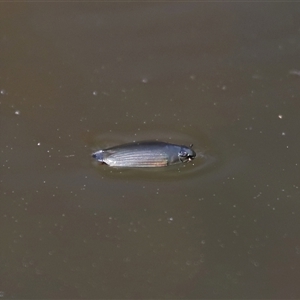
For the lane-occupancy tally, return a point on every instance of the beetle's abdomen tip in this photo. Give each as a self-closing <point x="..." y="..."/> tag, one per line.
<point x="98" y="155"/>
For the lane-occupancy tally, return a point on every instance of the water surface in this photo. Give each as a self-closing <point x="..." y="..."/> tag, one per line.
<point x="79" y="77"/>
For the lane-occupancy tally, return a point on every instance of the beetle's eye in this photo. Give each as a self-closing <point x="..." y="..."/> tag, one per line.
<point x="183" y="154"/>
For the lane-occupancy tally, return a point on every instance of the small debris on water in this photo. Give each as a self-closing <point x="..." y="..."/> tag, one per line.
<point x="294" y="72"/>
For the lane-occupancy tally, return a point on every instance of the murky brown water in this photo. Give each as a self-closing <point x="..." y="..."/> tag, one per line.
<point x="77" y="77"/>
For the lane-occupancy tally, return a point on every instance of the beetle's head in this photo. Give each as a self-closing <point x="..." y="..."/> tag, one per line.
<point x="186" y="153"/>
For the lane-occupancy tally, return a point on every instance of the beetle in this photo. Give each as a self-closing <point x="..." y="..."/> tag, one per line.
<point x="145" y="154"/>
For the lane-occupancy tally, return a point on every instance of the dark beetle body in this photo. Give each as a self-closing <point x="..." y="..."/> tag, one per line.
<point x="145" y="154"/>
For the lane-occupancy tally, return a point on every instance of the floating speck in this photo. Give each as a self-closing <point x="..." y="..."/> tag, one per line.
<point x="235" y="232"/>
<point x="294" y="72"/>
<point x="255" y="263"/>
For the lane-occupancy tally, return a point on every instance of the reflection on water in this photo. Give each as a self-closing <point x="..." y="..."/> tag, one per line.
<point x="220" y="76"/>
